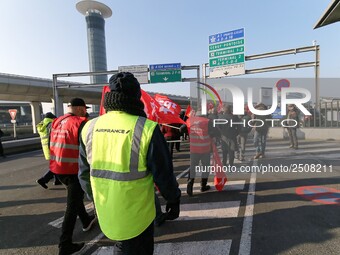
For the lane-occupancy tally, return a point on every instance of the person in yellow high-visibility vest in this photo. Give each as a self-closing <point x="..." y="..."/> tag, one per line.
<point x="122" y="155"/>
<point x="44" y="129"/>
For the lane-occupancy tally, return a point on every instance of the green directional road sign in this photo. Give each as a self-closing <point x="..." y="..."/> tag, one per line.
<point x="226" y="60"/>
<point x="161" y="76"/>
<point x="224" y="45"/>
<point x="226" y="54"/>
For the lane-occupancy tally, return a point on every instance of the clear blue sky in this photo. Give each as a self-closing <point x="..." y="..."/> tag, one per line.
<point x="40" y="37"/>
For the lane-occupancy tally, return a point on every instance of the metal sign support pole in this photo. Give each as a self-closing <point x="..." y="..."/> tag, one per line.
<point x="55" y="95"/>
<point x="317" y="73"/>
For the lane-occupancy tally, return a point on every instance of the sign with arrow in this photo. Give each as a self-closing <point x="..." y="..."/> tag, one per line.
<point x="226" y="54"/>
<point x="165" y="73"/>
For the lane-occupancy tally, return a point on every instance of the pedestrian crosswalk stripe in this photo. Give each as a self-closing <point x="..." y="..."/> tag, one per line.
<point x="58" y="222"/>
<point x="303" y="151"/>
<point x="215" y="210"/>
<point x="213" y="247"/>
<point x="230" y="186"/>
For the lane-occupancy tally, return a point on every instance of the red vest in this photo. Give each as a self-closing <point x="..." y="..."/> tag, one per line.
<point x="64" y="144"/>
<point x="200" y="140"/>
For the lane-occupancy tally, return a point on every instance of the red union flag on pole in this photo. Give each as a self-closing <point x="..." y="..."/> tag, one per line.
<point x="151" y="106"/>
<point x="154" y="111"/>
<point x="159" y="113"/>
<point x="220" y="178"/>
<point x="188" y="111"/>
<point x="168" y="104"/>
<point x="13" y="113"/>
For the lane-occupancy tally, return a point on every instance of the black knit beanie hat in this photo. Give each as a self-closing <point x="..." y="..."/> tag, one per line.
<point x="50" y="115"/>
<point x="125" y="95"/>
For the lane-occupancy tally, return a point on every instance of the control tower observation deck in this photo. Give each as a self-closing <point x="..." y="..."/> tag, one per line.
<point x="95" y="13"/>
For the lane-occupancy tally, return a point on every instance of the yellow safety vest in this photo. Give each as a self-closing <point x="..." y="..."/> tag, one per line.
<point x="43" y="129"/>
<point x="116" y="146"/>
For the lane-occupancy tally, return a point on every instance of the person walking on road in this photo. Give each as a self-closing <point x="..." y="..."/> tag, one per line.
<point x="201" y="133"/>
<point x="261" y="131"/>
<point x="44" y="130"/>
<point x="293" y="119"/>
<point x="229" y="133"/>
<point x="243" y="135"/>
<point x="122" y="155"/>
<point x="64" y="154"/>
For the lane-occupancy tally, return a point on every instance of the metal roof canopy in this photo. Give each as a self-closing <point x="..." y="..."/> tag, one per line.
<point x="56" y="86"/>
<point x="331" y="15"/>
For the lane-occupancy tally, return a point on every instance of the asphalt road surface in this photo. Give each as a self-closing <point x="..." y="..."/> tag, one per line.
<point x="289" y="205"/>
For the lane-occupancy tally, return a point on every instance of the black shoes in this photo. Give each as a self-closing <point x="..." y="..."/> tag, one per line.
<point x="42" y="183"/>
<point x="205" y="188"/>
<point x="57" y="182"/>
<point x="68" y="249"/>
<point x="160" y="219"/>
<point x="190" y="186"/>
<point x="88" y="226"/>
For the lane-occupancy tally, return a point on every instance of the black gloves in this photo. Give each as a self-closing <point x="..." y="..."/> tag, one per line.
<point x="172" y="210"/>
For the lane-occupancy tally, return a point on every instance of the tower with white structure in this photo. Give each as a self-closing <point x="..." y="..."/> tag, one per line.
<point x="95" y="13"/>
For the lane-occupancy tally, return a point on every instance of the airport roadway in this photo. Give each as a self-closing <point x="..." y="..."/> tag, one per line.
<point x="291" y="212"/>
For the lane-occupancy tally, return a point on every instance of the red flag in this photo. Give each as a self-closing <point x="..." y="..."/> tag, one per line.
<point x="104" y="90"/>
<point x="159" y="113"/>
<point x="154" y="111"/>
<point x="151" y="106"/>
<point x="167" y="103"/>
<point x="220" y="178"/>
<point x="188" y="111"/>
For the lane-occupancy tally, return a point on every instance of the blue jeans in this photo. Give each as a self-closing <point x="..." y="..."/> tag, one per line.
<point x="260" y="140"/>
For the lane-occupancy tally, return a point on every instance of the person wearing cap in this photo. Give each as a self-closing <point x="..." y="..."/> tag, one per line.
<point x="122" y="155"/>
<point x="44" y="130"/>
<point x="64" y="154"/>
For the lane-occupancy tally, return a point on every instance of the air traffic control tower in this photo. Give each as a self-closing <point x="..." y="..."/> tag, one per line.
<point x="95" y="13"/>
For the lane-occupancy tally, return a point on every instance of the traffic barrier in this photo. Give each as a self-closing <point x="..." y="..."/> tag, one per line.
<point x="22" y="145"/>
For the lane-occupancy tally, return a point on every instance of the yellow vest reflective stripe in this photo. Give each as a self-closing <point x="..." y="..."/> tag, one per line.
<point x="116" y="146"/>
<point x="65" y="146"/>
<point x="64" y="159"/>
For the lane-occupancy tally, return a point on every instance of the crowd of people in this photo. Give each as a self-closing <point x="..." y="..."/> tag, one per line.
<point x="121" y="158"/>
<point x="117" y="160"/>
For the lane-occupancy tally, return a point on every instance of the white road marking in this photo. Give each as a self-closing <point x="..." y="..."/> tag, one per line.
<point x="92" y="242"/>
<point x="214" y="247"/>
<point x="58" y="222"/>
<point x="202" y="211"/>
<point x="183" y="173"/>
<point x="245" y="243"/>
<point x="230" y="185"/>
